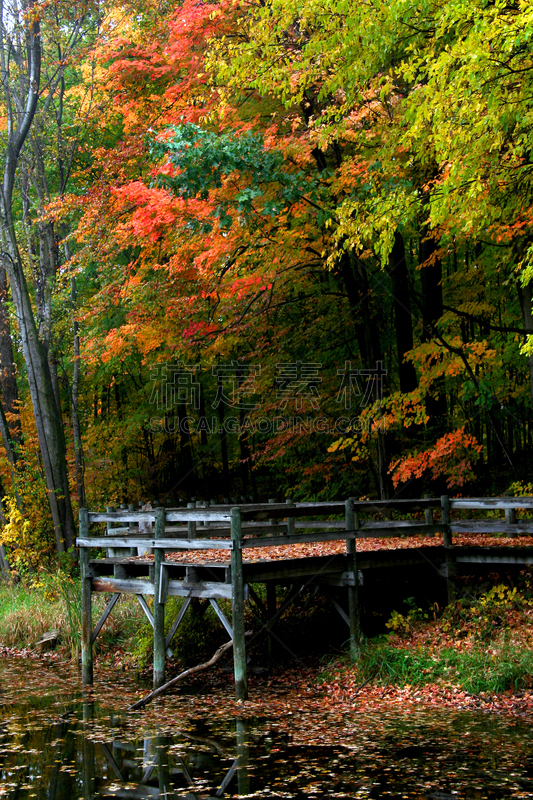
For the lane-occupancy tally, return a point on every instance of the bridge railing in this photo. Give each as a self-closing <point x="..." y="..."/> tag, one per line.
<point x="266" y="525"/>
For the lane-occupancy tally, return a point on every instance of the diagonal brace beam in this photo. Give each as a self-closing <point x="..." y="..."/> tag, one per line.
<point x="222" y="617"/>
<point x="107" y="611"/>
<point x="177" y="621"/>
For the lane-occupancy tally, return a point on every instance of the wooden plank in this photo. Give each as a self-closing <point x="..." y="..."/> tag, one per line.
<point x="281" y="510"/>
<point x="397" y="524"/>
<point x="121" y="516"/>
<point x="492" y="502"/>
<point x="492" y="526"/>
<point x="399" y="528"/>
<point x="496" y="555"/>
<point x="298" y="538"/>
<point x="202" y="589"/>
<point x="178" y="515"/>
<point x="128" y="586"/>
<point x="198" y="515"/>
<point x="165" y="544"/>
<point x="381" y="505"/>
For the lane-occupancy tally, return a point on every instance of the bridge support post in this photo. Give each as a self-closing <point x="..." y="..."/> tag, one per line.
<point x="237" y="581"/>
<point x="352" y="524"/>
<point x="448" y="544"/>
<point x="86" y="607"/>
<point x="159" y="607"/>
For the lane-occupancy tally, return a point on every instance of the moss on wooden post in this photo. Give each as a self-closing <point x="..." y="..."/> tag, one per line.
<point x="352" y="524"/>
<point x="237" y="580"/>
<point x="86" y="609"/>
<point x="159" y="608"/>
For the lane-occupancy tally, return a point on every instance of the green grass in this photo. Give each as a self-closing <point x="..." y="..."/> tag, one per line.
<point x="53" y="602"/>
<point x="475" y="671"/>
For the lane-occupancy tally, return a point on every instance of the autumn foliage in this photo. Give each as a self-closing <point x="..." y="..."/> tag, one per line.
<point x="301" y="242"/>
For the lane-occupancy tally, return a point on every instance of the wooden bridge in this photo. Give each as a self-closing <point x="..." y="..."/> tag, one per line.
<point x="216" y="553"/>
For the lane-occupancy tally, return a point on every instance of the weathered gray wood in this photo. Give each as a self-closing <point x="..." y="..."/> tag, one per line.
<point x="163" y="583"/>
<point x="86" y="605"/>
<point x="222" y="617"/>
<point x="428" y="515"/>
<point x="178" y="515"/>
<point x="146" y="608"/>
<point x="239" y="642"/>
<point x="198" y="515"/>
<point x="446" y="519"/>
<point x="110" y="552"/>
<point x="492" y="526"/>
<point x="397" y="524"/>
<point x="448" y="544"/>
<point x="204" y="590"/>
<point x="491" y="502"/>
<point x="159" y="607"/>
<point x="177" y="621"/>
<point x="496" y="555"/>
<point x="290" y="520"/>
<point x="107" y="611"/>
<point x="168" y="544"/>
<point x="280" y="510"/>
<point x="352" y="524"/>
<point x="191" y="526"/>
<point x="510" y="519"/>
<point x="298" y="538"/>
<point x="128" y="586"/>
<point x="376" y="505"/>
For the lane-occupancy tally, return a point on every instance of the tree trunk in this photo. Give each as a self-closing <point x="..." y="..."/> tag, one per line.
<point x="47" y="415"/>
<point x="76" y="429"/>
<point x="526" y="296"/>
<point x="432" y="309"/>
<point x="403" y="318"/>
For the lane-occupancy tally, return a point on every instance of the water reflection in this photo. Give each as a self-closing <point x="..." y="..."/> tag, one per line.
<point x="170" y="766"/>
<point x="57" y="745"/>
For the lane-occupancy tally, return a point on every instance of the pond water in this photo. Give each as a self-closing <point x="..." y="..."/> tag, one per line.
<point x="57" y="744"/>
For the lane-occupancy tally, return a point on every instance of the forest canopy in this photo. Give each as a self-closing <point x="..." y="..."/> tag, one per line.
<point x="262" y="249"/>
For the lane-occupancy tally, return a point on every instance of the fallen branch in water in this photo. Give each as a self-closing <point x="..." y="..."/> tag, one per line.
<point x="362" y="685"/>
<point x="191" y="671"/>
